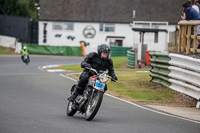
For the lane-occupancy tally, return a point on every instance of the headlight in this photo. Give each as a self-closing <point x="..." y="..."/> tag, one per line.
<point x="103" y="78"/>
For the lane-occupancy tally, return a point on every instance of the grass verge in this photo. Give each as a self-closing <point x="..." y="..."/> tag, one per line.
<point x="132" y="84"/>
<point x="6" y="51"/>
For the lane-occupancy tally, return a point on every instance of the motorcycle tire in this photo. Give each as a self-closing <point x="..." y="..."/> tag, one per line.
<point x="70" y="111"/>
<point x="73" y="88"/>
<point x="92" y="110"/>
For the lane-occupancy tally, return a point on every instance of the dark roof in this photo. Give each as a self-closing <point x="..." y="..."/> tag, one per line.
<point x="111" y="11"/>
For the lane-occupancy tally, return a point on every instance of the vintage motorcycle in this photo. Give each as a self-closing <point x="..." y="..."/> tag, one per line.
<point x="90" y="101"/>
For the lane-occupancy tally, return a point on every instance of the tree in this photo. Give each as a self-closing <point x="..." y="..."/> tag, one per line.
<point x="23" y="8"/>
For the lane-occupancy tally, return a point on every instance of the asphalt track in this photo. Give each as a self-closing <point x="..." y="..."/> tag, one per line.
<point x="34" y="101"/>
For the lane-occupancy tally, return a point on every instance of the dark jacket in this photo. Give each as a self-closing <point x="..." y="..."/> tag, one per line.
<point x="97" y="63"/>
<point x="191" y="14"/>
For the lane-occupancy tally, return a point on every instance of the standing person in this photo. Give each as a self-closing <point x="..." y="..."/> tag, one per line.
<point x="83" y="48"/>
<point x="25" y="51"/>
<point x="198" y="26"/>
<point x="197" y="2"/>
<point x="190" y="14"/>
<point x="98" y="61"/>
<point x="194" y="5"/>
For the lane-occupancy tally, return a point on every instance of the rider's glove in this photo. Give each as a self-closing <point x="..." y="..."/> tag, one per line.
<point x="114" y="77"/>
<point x="92" y="71"/>
<point x="88" y="66"/>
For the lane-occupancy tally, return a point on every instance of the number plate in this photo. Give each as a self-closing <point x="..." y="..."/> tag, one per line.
<point x="99" y="86"/>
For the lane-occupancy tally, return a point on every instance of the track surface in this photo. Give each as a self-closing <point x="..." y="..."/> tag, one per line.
<point x="34" y="101"/>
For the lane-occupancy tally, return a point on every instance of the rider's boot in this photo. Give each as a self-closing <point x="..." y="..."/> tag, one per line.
<point x="22" y="58"/>
<point x="74" y="95"/>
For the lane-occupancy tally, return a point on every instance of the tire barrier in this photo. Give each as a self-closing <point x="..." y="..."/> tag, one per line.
<point x="130" y="59"/>
<point x="178" y="72"/>
<point x="119" y="51"/>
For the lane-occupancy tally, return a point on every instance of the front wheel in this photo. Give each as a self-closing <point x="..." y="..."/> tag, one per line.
<point x="94" y="106"/>
<point x="71" y="109"/>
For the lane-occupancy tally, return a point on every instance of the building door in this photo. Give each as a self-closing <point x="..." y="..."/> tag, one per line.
<point x="118" y="43"/>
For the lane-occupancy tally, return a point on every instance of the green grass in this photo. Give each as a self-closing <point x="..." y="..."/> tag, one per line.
<point x="133" y="84"/>
<point x="3" y="50"/>
<point x="6" y="51"/>
<point x="74" y="68"/>
<point x="118" y="61"/>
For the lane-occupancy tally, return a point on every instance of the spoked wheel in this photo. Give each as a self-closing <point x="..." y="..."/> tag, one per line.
<point x="93" y="108"/>
<point x="71" y="110"/>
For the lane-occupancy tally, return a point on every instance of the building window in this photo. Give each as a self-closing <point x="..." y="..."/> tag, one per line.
<point x="155" y="26"/>
<point x="63" y="26"/>
<point x="142" y="25"/>
<point x="116" y="42"/>
<point x="107" y="27"/>
<point x="156" y="37"/>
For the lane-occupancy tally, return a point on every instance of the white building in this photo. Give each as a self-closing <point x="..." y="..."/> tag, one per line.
<point x="66" y="23"/>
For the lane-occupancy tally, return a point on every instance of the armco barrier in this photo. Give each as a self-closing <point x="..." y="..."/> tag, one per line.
<point x="54" y="50"/>
<point x="178" y="72"/>
<point x="185" y="62"/>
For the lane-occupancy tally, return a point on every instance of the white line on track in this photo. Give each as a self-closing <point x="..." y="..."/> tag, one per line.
<point x="40" y="67"/>
<point x="134" y="104"/>
<point x="152" y="110"/>
<point x="65" y="76"/>
<point x="139" y="106"/>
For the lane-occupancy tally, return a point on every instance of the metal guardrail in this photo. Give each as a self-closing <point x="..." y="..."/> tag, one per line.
<point x="185" y="62"/>
<point x="185" y="75"/>
<point x="178" y="72"/>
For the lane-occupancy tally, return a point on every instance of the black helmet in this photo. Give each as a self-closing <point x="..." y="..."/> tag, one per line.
<point x="104" y="48"/>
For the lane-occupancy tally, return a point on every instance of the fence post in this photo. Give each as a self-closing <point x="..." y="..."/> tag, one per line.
<point x="188" y="36"/>
<point x="195" y="40"/>
<point x="180" y="39"/>
<point x="183" y="38"/>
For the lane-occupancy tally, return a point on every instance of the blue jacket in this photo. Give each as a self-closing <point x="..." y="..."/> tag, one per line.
<point x="191" y="14"/>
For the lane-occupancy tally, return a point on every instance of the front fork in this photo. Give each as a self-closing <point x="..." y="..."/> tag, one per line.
<point x="91" y="97"/>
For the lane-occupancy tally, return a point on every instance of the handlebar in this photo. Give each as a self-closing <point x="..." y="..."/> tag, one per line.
<point x="95" y="71"/>
<point x="91" y="69"/>
<point x="112" y="79"/>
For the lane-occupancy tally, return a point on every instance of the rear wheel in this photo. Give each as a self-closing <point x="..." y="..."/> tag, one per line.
<point x="93" y="108"/>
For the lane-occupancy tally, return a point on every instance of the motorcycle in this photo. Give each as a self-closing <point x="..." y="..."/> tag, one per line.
<point x="25" y="59"/>
<point x="90" y="101"/>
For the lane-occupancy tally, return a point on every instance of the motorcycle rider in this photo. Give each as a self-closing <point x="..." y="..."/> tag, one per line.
<point x="25" y="51"/>
<point x="98" y="61"/>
